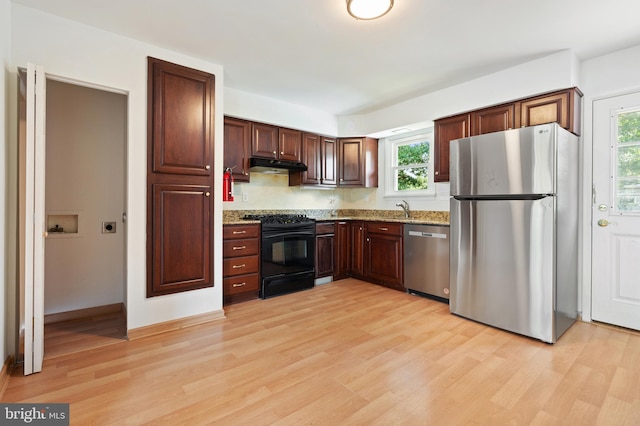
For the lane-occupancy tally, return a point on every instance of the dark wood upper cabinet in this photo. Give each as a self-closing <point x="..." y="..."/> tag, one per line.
<point x="277" y="143"/>
<point x="319" y="153"/>
<point x="358" y="162"/>
<point x="329" y="161"/>
<point x="494" y="119"/>
<point x="289" y="144"/>
<point x="181" y="118"/>
<point x="237" y="147"/>
<point x="562" y="106"/>
<point x="264" y="140"/>
<point x="311" y="157"/>
<point x="180" y="123"/>
<point x="445" y="130"/>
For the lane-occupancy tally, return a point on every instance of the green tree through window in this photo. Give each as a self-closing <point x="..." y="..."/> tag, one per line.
<point x="628" y="162"/>
<point x="413" y="171"/>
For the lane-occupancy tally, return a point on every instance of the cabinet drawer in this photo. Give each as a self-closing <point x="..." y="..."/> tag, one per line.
<point x="384" y="228"/>
<point x="240" y="266"/>
<point x="232" y="232"/>
<point x="241" y="284"/>
<point x="237" y="248"/>
<point x="325" y="228"/>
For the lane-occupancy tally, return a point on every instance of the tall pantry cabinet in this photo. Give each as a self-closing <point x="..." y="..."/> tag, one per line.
<point x="180" y="147"/>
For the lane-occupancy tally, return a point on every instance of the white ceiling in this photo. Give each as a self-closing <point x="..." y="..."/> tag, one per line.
<point x="311" y="52"/>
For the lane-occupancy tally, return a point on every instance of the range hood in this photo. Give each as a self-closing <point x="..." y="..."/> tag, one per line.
<point x="272" y="166"/>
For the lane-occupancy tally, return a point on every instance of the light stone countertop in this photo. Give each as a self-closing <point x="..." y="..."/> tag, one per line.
<point x="426" y="217"/>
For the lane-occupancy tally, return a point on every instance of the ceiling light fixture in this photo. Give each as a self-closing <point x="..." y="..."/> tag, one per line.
<point x="368" y="9"/>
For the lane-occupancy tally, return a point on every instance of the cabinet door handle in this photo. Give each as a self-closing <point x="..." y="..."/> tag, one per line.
<point x="239" y="232"/>
<point x="281" y="152"/>
<point x="207" y="167"/>
<point x="206" y="194"/>
<point x="437" y="172"/>
<point x="239" y="247"/>
<point x="239" y="266"/>
<point x="383" y="229"/>
<point x="239" y="284"/>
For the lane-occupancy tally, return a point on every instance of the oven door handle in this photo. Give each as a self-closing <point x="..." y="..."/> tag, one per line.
<point x="287" y="234"/>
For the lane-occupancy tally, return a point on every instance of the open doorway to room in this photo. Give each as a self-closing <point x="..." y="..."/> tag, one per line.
<point x="85" y="207"/>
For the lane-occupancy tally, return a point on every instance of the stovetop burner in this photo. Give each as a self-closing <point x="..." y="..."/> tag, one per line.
<point x="279" y="218"/>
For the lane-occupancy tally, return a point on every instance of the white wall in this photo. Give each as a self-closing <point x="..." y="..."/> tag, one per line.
<point x="273" y="111"/>
<point x="85" y="178"/>
<point x="605" y="76"/>
<point x="7" y="295"/>
<point x="84" y="54"/>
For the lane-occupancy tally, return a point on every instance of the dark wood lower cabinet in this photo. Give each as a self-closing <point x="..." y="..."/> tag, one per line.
<point x="383" y="254"/>
<point x="325" y="249"/>
<point x="357" y="249"/>
<point x="371" y="251"/>
<point x="343" y="250"/>
<point x="180" y="241"/>
<point x="241" y="262"/>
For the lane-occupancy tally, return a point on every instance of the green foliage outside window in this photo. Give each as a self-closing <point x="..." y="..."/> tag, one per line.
<point x="628" y="169"/>
<point x="412" y="172"/>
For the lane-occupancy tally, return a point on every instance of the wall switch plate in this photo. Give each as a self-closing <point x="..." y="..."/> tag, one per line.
<point x="245" y="196"/>
<point x="108" y="227"/>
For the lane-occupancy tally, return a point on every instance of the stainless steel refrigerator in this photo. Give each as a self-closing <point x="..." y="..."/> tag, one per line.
<point x="514" y="235"/>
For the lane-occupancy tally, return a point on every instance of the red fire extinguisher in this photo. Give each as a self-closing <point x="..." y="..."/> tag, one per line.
<point x="227" y="185"/>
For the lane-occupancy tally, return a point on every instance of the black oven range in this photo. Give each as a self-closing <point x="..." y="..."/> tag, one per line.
<point x="287" y="254"/>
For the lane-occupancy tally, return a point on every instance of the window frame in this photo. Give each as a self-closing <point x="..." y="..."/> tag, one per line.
<point x="391" y="149"/>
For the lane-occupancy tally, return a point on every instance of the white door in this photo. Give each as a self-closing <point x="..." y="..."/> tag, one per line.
<point x="32" y="214"/>
<point x="616" y="211"/>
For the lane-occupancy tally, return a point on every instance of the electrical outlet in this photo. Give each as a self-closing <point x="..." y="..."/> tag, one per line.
<point x="245" y="196"/>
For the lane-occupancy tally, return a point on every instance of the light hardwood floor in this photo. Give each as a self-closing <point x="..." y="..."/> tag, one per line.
<point x="66" y="337"/>
<point x="347" y="353"/>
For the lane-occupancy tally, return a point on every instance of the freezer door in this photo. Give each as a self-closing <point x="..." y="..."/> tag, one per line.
<point x="514" y="162"/>
<point x="502" y="269"/>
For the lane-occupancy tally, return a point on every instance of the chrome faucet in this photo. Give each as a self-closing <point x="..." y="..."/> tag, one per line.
<point x="405" y="206"/>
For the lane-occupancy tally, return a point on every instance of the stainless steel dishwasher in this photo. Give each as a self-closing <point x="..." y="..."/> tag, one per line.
<point x="426" y="260"/>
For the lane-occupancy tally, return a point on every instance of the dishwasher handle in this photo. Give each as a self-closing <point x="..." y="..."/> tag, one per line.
<point x="427" y="234"/>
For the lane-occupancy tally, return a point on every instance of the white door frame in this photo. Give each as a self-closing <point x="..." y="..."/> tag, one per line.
<point x="33" y="215"/>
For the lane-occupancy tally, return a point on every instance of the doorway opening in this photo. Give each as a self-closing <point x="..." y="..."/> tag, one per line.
<point x="85" y="205"/>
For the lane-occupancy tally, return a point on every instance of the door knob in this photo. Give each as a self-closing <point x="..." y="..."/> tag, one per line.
<point x="605" y="222"/>
<point x="602" y="207"/>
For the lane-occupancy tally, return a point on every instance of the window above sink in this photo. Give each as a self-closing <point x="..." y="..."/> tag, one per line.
<point x="409" y="160"/>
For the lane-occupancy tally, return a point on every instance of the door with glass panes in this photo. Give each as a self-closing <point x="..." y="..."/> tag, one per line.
<point x="616" y="211"/>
